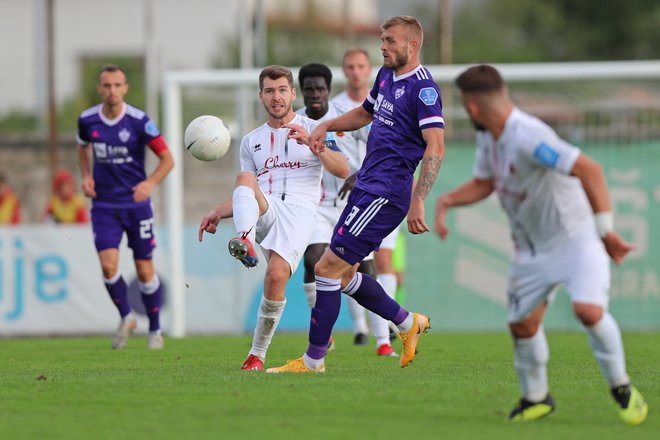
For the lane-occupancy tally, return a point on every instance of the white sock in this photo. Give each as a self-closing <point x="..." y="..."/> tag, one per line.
<point x="379" y="326"/>
<point x="358" y="316"/>
<point x="310" y="293"/>
<point x="406" y="324"/>
<point x="607" y="347"/>
<point x="268" y="317"/>
<point x="530" y="360"/>
<point x="312" y="364"/>
<point x="246" y="210"/>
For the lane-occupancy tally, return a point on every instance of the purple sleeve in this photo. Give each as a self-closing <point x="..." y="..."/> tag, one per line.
<point x="368" y="103"/>
<point x="82" y="136"/>
<point x="428" y="104"/>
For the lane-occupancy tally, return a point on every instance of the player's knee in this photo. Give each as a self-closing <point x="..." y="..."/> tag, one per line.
<point x="524" y="329"/>
<point x="245" y="179"/>
<point x="109" y="269"/>
<point x="588" y="314"/>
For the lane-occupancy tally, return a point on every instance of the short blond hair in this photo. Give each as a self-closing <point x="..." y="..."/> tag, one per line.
<point x="412" y="25"/>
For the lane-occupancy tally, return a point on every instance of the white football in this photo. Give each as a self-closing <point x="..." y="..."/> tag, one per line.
<point x="207" y="138"/>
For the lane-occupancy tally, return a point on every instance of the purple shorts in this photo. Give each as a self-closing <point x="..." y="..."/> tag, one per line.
<point x="363" y="224"/>
<point x="109" y="224"/>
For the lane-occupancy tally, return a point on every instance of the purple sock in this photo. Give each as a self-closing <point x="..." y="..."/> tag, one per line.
<point x="324" y="316"/>
<point x="370" y="294"/>
<point x="152" y="300"/>
<point x="119" y="294"/>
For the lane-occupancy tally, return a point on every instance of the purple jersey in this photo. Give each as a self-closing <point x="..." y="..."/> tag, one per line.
<point x="402" y="107"/>
<point x="119" y="152"/>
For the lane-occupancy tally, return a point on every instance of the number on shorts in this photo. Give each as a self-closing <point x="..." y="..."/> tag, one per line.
<point x="145" y="227"/>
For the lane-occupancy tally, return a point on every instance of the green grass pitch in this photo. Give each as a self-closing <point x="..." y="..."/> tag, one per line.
<point x="460" y="386"/>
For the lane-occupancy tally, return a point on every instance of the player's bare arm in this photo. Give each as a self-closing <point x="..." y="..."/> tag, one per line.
<point x="333" y="161"/>
<point x="88" y="184"/>
<point x="142" y="190"/>
<point x="470" y="192"/>
<point x="431" y="162"/>
<point x="211" y="220"/>
<point x="350" y="121"/>
<point x="593" y="181"/>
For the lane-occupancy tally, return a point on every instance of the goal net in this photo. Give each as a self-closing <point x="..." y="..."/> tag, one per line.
<point x="609" y="109"/>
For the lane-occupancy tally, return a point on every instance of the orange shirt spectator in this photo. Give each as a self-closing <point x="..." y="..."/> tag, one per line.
<point x="65" y="205"/>
<point x="10" y="206"/>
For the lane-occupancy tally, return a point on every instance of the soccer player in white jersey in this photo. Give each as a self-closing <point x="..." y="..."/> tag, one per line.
<point x="275" y="199"/>
<point x="356" y="66"/>
<point x="560" y="216"/>
<point x="315" y="81"/>
<point x="405" y="111"/>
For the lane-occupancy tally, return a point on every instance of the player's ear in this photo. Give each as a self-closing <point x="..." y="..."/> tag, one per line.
<point x="293" y="93"/>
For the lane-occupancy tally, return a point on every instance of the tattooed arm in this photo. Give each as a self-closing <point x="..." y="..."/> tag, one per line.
<point x="435" y="151"/>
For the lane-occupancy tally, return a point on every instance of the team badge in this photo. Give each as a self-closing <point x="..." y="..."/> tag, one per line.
<point x="124" y="135"/>
<point x="428" y="95"/>
<point x="151" y="129"/>
<point x="399" y="92"/>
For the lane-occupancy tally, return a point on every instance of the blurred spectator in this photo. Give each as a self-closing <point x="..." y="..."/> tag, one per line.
<point x="65" y="205"/>
<point x="10" y="206"/>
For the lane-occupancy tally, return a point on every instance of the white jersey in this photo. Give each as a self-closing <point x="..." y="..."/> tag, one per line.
<point x="352" y="144"/>
<point x="345" y="101"/>
<point x="283" y="168"/>
<point x="530" y="165"/>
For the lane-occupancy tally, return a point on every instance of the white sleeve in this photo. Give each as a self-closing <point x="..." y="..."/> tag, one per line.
<point x="247" y="161"/>
<point x="482" y="168"/>
<point x="548" y="150"/>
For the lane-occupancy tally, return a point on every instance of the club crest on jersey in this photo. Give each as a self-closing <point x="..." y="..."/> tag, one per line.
<point x="124" y="135"/>
<point x="428" y="95"/>
<point x="399" y="92"/>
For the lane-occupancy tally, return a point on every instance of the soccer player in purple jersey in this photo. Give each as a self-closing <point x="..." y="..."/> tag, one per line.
<point x="119" y="188"/>
<point x="405" y="110"/>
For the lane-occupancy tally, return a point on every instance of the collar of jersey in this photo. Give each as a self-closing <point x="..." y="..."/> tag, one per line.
<point x="405" y="75"/>
<point x="111" y="122"/>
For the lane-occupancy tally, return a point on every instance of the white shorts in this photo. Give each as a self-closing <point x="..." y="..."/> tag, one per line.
<point x="581" y="264"/>
<point x="389" y="242"/>
<point x="286" y="229"/>
<point x="326" y="220"/>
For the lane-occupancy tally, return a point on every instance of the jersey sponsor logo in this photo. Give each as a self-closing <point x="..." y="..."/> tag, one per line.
<point x="124" y="135"/>
<point x="100" y="150"/>
<point x="151" y="129"/>
<point x="272" y="163"/>
<point x="428" y="95"/>
<point x="382" y="103"/>
<point x="399" y="92"/>
<point x="546" y="155"/>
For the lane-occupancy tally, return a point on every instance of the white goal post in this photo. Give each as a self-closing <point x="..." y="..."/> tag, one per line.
<point x="245" y="81"/>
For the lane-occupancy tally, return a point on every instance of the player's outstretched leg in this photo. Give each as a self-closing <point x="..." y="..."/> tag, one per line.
<point x="371" y="295"/>
<point x="526" y="411"/>
<point x="633" y="408"/>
